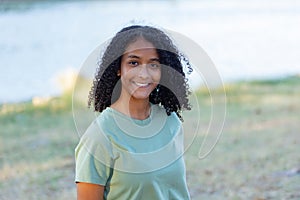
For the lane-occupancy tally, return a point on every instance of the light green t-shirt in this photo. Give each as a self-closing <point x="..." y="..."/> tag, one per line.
<point x="134" y="159"/>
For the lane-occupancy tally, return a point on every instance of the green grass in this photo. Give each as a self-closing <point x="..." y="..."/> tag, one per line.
<point x="259" y="144"/>
<point x="36" y="150"/>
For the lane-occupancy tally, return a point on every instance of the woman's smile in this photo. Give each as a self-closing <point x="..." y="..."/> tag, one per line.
<point x="141" y="84"/>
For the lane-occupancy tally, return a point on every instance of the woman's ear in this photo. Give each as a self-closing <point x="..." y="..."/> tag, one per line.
<point x="119" y="73"/>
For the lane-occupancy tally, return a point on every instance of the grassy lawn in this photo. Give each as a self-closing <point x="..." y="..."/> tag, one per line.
<point x="257" y="156"/>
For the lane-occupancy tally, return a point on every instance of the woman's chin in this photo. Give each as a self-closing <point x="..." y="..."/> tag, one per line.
<point x="140" y="95"/>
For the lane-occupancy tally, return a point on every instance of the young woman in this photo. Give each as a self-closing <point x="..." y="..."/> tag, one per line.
<point x="133" y="149"/>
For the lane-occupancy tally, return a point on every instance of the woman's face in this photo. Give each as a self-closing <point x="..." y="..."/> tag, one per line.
<point x="140" y="69"/>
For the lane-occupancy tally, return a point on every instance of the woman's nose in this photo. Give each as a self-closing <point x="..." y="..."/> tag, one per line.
<point x="143" y="71"/>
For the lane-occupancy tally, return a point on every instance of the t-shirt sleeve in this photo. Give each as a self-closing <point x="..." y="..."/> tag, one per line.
<point x="93" y="157"/>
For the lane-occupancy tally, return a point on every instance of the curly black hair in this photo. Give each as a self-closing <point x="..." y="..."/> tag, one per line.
<point x="172" y="91"/>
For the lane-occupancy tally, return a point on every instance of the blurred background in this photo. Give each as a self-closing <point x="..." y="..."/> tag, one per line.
<point x="255" y="46"/>
<point x="40" y="40"/>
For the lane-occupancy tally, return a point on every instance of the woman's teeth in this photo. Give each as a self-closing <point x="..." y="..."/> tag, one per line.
<point x="141" y="84"/>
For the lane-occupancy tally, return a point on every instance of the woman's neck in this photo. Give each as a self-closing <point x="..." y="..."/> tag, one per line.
<point x="134" y="108"/>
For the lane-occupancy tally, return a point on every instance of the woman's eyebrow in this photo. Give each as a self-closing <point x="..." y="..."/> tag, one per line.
<point x="133" y="56"/>
<point x="137" y="57"/>
<point x="154" y="59"/>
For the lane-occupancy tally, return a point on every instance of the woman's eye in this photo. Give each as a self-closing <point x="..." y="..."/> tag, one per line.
<point x="155" y="65"/>
<point x="133" y="63"/>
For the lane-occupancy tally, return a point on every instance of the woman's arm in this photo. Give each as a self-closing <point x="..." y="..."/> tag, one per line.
<point x="88" y="191"/>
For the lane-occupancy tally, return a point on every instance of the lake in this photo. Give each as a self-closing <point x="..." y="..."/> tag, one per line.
<point x="246" y="40"/>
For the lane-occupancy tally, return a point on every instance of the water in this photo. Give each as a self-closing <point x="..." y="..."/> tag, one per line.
<point x="245" y="40"/>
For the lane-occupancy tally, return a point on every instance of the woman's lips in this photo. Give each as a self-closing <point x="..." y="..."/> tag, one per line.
<point x="141" y="84"/>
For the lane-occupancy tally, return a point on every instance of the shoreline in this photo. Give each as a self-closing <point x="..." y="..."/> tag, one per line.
<point x="44" y="99"/>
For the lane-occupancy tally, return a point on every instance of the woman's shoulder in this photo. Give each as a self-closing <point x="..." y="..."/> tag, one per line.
<point x="95" y="133"/>
<point x="105" y="117"/>
<point x="159" y="111"/>
<point x="94" y="140"/>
